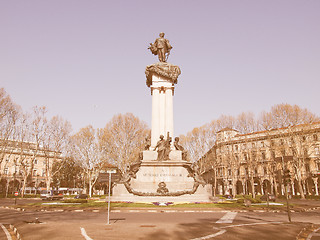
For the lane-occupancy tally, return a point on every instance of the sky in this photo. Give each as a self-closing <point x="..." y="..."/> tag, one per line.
<point x="85" y="60"/>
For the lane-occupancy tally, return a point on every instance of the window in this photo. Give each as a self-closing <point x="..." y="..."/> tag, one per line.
<point x="245" y="157"/>
<point x="229" y="172"/>
<point x="265" y="170"/>
<point x="281" y="142"/>
<point x="253" y="155"/>
<point x="262" y="144"/>
<point x="35" y="161"/>
<point x="318" y="164"/>
<point x="236" y="147"/>
<point x="5" y="171"/>
<point x="263" y="155"/>
<point x="273" y="155"/>
<point x="34" y="172"/>
<point x="253" y="145"/>
<point x="8" y="159"/>
<point x="315" y="137"/>
<point x="304" y="138"/>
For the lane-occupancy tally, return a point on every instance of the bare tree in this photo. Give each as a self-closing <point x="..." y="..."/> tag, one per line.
<point x="285" y="115"/>
<point x="55" y="146"/>
<point x="88" y="152"/>
<point x="199" y="141"/>
<point x="23" y="136"/>
<point x="9" y="116"/>
<point x="122" y="140"/>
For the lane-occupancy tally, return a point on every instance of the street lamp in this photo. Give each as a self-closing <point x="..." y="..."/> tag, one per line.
<point x="110" y="171"/>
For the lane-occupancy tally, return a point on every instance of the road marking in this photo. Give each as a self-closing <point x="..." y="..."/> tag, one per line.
<point x="248" y="224"/>
<point x="83" y="232"/>
<point x="227" y="218"/>
<point x="314" y="233"/>
<point x="6" y="232"/>
<point x="210" y="236"/>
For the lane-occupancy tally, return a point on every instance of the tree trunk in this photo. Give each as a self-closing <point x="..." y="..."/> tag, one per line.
<point x="275" y="187"/>
<point x="252" y="188"/>
<point x="215" y="183"/>
<point x="23" y="186"/>
<point x="301" y="189"/>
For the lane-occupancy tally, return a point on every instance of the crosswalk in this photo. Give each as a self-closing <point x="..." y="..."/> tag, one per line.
<point x="227" y="218"/>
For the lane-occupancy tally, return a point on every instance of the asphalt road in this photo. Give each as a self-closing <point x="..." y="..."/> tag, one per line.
<point x="160" y="225"/>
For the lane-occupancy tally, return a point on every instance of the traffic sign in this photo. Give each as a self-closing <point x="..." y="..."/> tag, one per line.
<point x="16" y="194"/>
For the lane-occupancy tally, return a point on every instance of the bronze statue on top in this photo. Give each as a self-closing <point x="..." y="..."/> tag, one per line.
<point x="161" y="47"/>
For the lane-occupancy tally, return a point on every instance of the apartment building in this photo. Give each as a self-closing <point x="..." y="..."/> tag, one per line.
<point x="257" y="162"/>
<point x="24" y="161"/>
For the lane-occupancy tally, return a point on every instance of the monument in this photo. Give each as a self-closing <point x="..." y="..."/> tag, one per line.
<point x="163" y="173"/>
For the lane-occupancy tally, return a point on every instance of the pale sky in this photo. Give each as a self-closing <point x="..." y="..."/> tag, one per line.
<point x="85" y="59"/>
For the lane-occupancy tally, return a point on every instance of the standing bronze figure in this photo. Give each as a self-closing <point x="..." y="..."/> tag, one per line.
<point x="161" y="47"/>
<point x="161" y="145"/>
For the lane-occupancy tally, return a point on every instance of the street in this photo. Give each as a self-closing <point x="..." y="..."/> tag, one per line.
<point x="150" y="224"/>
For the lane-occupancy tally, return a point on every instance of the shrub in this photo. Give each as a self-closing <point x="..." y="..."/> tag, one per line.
<point x="75" y="201"/>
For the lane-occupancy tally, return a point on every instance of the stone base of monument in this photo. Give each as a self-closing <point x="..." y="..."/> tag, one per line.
<point x="162" y="181"/>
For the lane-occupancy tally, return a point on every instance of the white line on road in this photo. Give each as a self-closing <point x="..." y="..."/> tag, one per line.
<point x="83" y="232"/>
<point x="6" y="232"/>
<point x="227" y="218"/>
<point x="313" y="234"/>
<point x="248" y="224"/>
<point x="210" y="236"/>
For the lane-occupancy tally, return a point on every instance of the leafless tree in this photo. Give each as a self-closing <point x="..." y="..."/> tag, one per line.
<point x="9" y="116"/>
<point x="55" y="145"/>
<point x="122" y="140"/>
<point x="88" y="152"/>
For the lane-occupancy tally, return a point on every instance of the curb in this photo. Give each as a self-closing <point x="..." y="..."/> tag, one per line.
<point x="164" y="210"/>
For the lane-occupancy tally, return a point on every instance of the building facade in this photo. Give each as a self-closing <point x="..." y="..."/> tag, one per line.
<point x="257" y="162"/>
<point x="24" y="162"/>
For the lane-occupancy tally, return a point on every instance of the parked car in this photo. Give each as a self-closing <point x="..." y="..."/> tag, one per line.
<point x="51" y="195"/>
<point x="271" y="197"/>
<point x="81" y="196"/>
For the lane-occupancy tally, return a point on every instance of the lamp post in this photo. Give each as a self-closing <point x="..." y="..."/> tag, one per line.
<point x="110" y="171"/>
<point x="286" y="179"/>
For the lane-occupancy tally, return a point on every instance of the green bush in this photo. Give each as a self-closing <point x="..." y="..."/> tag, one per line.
<point x="240" y="200"/>
<point x="313" y="197"/>
<point x="75" y="201"/>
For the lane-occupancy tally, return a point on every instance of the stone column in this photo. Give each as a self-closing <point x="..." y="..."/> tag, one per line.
<point x="155" y="133"/>
<point x="169" y="112"/>
<point x="162" y="110"/>
<point x="161" y="78"/>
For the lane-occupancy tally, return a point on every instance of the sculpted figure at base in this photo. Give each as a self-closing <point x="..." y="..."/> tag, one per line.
<point x="162" y="188"/>
<point x="180" y="148"/>
<point x="161" y="47"/>
<point x="163" y="147"/>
